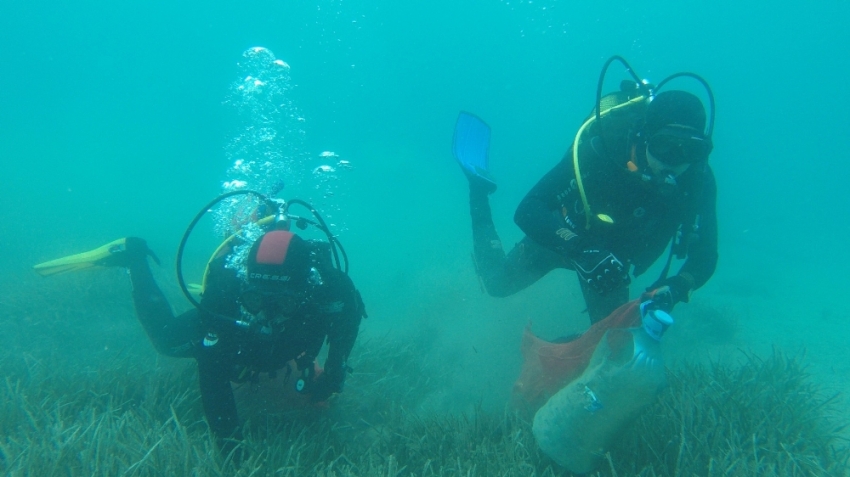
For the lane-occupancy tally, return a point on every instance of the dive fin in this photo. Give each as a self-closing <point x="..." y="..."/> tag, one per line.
<point x="80" y="261"/>
<point x="471" y="148"/>
<point x="196" y="289"/>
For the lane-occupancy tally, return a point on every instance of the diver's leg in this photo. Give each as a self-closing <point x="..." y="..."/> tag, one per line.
<point x="486" y="246"/>
<point x="599" y="305"/>
<point x="170" y="335"/>
<point x="504" y="275"/>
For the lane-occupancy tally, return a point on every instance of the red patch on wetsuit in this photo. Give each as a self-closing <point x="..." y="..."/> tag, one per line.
<point x="273" y="247"/>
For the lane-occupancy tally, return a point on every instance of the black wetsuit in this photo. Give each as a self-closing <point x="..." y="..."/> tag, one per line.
<point x="333" y="311"/>
<point x="646" y="213"/>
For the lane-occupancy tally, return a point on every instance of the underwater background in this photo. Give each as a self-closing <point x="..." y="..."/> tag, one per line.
<point x="119" y="119"/>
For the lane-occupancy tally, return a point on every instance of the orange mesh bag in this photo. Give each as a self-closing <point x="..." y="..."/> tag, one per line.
<point x="548" y="367"/>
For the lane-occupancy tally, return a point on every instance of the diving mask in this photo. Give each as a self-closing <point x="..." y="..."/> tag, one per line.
<point x="283" y="302"/>
<point x="676" y="145"/>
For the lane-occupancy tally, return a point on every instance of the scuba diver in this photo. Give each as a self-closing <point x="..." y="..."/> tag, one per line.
<point x="635" y="179"/>
<point x="269" y="313"/>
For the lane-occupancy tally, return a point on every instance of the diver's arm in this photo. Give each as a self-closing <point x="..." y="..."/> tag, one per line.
<point x="345" y="325"/>
<point x="215" y="363"/>
<point x="217" y="396"/>
<point x="702" y="252"/>
<point x="539" y="214"/>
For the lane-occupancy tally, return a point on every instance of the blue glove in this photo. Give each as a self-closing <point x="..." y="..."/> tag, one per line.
<point x="601" y="270"/>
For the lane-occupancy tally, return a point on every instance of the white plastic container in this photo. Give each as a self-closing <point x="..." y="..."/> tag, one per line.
<point x="578" y="424"/>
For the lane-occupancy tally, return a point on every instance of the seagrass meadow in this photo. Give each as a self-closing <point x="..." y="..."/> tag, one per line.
<point x="124" y="118"/>
<point x="127" y="412"/>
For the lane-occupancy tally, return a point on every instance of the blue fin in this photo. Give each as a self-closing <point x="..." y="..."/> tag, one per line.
<point x="471" y="147"/>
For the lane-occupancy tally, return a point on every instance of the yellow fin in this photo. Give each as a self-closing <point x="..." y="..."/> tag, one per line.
<point x="80" y="261"/>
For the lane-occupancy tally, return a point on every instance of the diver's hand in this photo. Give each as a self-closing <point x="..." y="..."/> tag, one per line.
<point x="326" y="384"/>
<point x="601" y="270"/>
<point x="133" y="251"/>
<point x="671" y="291"/>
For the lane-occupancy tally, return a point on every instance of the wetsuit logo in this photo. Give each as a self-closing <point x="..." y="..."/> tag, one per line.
<point x="266" y="276"/>
<point x="566" y="234"/>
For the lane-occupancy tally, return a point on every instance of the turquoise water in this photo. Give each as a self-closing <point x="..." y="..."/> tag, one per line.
<point x="114" y="122"/>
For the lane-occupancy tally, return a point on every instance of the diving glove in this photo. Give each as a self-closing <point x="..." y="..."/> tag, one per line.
<point x="601" y="270"/>
<point x="326" y="384"/>
<point x="671" y="291"/>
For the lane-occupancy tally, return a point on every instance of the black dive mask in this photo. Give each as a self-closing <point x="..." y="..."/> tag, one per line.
<point x="278" y="302"/>
<point x="676" y="145"/>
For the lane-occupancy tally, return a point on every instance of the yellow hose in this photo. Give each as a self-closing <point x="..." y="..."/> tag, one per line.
<point x="577" y="170"/>
<point x="264" y="221"/>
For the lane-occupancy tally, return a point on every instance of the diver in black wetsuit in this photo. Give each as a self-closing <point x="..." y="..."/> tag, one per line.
<point x="642" y="182"/>
<point x="291" y="300"/>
